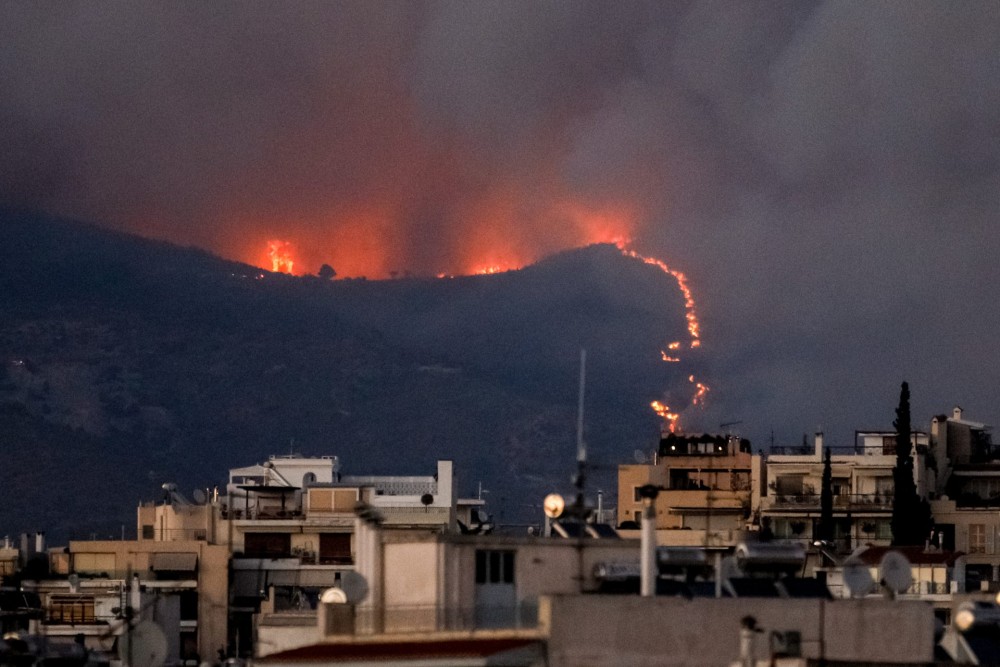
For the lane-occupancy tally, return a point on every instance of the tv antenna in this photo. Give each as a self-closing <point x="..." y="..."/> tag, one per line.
<point x="724" y="426"/>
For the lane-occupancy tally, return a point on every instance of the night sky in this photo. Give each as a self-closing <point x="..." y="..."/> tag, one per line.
<point x="827" y="174"/>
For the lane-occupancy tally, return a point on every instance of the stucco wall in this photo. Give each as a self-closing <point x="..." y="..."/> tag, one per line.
<point x="625" y="630"/>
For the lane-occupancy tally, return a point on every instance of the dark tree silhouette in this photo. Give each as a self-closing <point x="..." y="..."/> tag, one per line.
<point x="326" y="272"/>
<point x="910" y="514"/>
<point x="824" y="531"/>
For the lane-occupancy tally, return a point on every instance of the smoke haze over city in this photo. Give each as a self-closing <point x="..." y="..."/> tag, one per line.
<point x="826" y="174"/>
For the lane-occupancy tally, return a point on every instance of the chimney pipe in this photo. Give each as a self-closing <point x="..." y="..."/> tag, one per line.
<point x="819" y="444"/>
<point x="648" y="567"/>
<point x="39" y="542"/>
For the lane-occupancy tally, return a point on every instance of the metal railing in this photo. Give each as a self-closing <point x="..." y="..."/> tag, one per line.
<point x="843" y="450"/>
<point x="257" y="514"/>
<point x="872" y="501"/>
<point x="432" y="618"/>
<point x="175" y="534"/>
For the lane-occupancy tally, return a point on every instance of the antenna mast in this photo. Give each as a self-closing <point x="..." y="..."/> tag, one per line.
<point x="581" y="448"/>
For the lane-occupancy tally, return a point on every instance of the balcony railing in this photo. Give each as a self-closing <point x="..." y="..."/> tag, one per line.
<point x="432" y="618"/>
<point x="856" y="450"/>
<point x="854" y="501"/>
<point x="261" y="513"/>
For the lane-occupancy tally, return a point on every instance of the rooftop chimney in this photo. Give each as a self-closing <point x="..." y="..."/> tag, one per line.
<point x="956" y="414"/>
<point x="819" y="444"/>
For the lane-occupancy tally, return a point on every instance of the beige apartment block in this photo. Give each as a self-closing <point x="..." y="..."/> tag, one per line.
<point x="183" y="585"/>
<point x="862" y="488"/>
<point x="705" y="487"/>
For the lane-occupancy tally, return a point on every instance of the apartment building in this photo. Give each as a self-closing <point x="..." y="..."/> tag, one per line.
<point x="862" y="485"/>
<point x="966" y="505"/>
<point x="96" y="593"/>
<point x="706" y="484"/>
<point x="288" y="525"/>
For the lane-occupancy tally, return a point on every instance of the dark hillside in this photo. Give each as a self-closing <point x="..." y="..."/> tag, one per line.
<point x="125" y="363"/>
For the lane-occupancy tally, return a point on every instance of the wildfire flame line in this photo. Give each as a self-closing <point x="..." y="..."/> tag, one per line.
<point x="694" y="331"/>
<point x="280" y="254"/>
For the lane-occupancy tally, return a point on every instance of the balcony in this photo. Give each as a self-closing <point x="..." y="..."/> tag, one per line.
<point x="261" y="514"/>
<point x="844" y="501"/>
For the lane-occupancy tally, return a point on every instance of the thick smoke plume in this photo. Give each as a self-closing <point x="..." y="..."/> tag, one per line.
<point x="826" y="174"/>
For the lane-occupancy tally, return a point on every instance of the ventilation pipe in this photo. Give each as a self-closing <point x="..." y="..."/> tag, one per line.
<point x="648" y="570"/>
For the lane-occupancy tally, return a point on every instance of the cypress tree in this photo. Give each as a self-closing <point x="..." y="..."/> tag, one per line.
<point x="910" y="515"/>
<point x="825" y="529"/>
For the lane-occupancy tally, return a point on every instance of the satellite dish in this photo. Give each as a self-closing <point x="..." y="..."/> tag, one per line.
<point x="858" y="579"/>
<point x="145" y="644"/>
<point x="640" y="456"/>
<point x="553" y="505"/>
<point x="199" y="496"/>
<point x="333" y="596"/>
<point x="894" y="572"/>
<point x="354" y="585"/>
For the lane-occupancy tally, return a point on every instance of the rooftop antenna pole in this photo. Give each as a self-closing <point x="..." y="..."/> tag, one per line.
<point x="581" y="464"/>
<point x="581" y="448"/>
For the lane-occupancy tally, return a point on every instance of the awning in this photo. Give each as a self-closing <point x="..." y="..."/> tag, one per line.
<point x="175" y="562"/>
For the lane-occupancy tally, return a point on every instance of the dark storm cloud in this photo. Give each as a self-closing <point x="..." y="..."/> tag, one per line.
<point x="827" y="173"/>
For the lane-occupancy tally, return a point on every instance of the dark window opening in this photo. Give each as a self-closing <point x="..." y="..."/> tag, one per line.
<point x="335" y="549"/>
<point x="494" y="567"/>
<point x="267" y="545"/>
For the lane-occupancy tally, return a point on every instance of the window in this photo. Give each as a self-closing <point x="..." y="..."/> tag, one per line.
<point x="94" y="563"/>
<point x="189" y="605"/>
<point x="636" y="494"/>
<point x="71" y="609"/>
<point x="977" y="538"/>
<point x="884" y="486"/>
<point x="267" y="545"/>
<point x="494" y="567"/>
<point x="148" y="532"/>
<point x="335" y="548"/>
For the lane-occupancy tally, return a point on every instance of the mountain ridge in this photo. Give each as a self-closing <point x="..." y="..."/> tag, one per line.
<point x="128" y="363"/>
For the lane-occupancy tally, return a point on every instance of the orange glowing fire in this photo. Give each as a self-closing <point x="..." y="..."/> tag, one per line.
<point x="364" y="241"/>
<point x="694" y="327"/>
<point x="664" y="411"/>
<point x="701" y="389"/>
<point x="280" y="253"/>
<point x="490" y="270"/>
<point x="694" y="331"/>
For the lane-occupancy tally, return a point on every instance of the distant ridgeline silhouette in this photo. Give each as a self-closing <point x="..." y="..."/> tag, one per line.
<point x="129" y="362"/>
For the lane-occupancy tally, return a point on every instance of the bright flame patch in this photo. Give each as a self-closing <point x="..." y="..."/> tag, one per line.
<point x="280" y="253"/>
